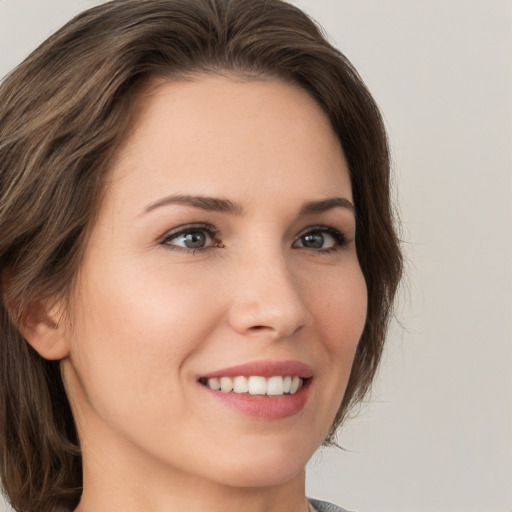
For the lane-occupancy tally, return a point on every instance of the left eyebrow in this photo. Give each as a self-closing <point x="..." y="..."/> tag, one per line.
<point x="326" y="204"/>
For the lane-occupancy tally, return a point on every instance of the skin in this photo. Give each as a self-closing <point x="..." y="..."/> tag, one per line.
<point x="150" y="316"/>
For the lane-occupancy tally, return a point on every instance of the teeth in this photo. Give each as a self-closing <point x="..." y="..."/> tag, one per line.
<point x="275" y="386"/>
<point x="256" y="385"/>
<point x="240" y="385"/>
<point x="226" y="384"/>
<point x="296" y="382"/>
<point x="214" y="384"/>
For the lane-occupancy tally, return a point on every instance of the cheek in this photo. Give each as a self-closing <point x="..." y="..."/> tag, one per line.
<point x="339" y="307"/>
<point x="145" y="308"/>
<point x="339" y="310"/>
<point x="134" y="331"/>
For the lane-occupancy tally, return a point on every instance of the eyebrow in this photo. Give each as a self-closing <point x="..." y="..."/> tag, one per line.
<point x="326" y="204"/>
<point x="214" y="204"/>
<point x="217" y="204"/>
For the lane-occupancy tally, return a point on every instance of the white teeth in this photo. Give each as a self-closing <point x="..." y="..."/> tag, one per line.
<point x="295" y="385"/>
<point x="240" y="385"/>
<point x="214" y="384"/>
<point x="226" y="384"/>
<point x="275" y="386"/>
<point x="256" y="385"/>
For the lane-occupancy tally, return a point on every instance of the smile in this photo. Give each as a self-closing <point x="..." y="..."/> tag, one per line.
<point x="255" y="385"/>
<point x="268" y="390"/>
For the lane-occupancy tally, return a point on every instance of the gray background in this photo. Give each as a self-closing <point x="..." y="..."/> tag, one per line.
<point x="436" y="433"/>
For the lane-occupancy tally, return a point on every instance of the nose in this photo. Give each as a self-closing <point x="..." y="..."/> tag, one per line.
<point x="267" y="299"/>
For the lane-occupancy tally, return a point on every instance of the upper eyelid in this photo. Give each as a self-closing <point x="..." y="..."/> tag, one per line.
<point x="189" y="227"/>
<point x="212" y="229"/>
<point x="320" y="227"/>
<point x="329" y="229"/>
<point x="340" y="235"/>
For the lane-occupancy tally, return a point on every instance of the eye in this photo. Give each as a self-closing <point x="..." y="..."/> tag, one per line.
<point x="322" y="239"/>
<point x="193" y="238"/>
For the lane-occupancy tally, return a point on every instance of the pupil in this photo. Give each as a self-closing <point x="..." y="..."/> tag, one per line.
<point x="195" y="240"/>
<point x="314" y="240"/>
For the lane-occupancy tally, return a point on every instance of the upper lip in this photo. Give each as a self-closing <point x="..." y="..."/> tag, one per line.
<point x="264" y="369"/>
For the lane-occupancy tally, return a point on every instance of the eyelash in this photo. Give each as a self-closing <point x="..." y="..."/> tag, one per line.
<point x="339" y="238"/>
<point x="192" y="228"/>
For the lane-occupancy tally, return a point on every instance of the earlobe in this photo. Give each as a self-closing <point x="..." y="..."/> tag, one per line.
<point x="43" y="328"/>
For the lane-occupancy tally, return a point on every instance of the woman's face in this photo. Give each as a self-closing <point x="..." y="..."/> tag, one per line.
<point x="224" y="248"/>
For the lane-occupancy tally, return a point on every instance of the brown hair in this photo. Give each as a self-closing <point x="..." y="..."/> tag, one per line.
<point x="64" y="111"/>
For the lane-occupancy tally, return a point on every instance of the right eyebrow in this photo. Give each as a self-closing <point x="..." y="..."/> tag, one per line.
<point x="215" y="204"/>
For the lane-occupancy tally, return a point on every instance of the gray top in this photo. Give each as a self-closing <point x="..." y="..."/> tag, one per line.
<point x="323" y="506"/>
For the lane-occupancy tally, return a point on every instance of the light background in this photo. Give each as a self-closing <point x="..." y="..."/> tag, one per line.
<point x="436" y="435"/>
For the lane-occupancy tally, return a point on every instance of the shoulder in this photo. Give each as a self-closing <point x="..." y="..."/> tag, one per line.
<point x="323" y="506"/>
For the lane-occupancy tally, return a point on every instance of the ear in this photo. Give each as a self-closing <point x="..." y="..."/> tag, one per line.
<point x="43" y="327"/>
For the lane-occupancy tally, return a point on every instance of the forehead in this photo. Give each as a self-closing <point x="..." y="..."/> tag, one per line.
<point x="219" y="134"/>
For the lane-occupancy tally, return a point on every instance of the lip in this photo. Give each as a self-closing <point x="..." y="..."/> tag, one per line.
<point x="264" y="369"/>
<point x="262" y="406"/>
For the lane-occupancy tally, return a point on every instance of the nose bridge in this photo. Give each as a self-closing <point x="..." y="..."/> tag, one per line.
<point x="267" y="297"/>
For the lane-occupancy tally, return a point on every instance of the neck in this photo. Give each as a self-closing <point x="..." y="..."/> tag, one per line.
<point x="137" y="485"/>
<point x="190" y="494"/>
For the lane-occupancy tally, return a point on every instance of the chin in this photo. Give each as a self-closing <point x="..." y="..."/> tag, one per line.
<point x="266" y="465"/>
<point x="258" y="476"/>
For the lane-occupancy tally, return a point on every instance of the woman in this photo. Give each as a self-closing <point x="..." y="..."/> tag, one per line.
<point x="197" y="255"/>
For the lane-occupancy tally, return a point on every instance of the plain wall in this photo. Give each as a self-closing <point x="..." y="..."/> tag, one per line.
<point x="436" y="435"/>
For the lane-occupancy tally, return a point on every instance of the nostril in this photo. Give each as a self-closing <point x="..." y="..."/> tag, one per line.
<point x="279" y="319"/>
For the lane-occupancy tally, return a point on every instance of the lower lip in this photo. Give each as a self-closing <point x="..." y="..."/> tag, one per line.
<point x="263" y="406"/>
